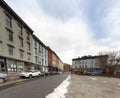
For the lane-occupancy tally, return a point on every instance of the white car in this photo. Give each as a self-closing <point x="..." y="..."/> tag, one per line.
<point x="3" y="77"/>
<point x="30" y="74"/>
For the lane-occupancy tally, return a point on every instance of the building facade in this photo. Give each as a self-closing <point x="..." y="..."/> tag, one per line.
<point x="20" y="49"/>
<point x="61" y="66"/>
<point x="15" y="42"/>
<point x="40" y="55"/>
<point x="66" y="67"/>
<point x="50" y="59"/>
<point x="54" y="62"/>
<point x="89" y="63"/>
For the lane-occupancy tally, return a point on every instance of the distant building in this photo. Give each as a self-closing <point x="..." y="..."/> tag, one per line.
<point x="54" y="62"/>
<point x="67" y="67"/>
<point x="40" y="54"/>
<point x="89" y="63"/>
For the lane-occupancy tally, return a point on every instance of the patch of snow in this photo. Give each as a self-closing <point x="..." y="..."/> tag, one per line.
<point x="92" y="78"/>
<point x="61" y="90"/>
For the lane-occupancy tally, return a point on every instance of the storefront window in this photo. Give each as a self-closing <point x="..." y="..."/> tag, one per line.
<point x="20" y="66"/>
<point x="11" y="66"/>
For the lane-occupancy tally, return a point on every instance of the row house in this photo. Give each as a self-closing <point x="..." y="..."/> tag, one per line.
<point x="89" y="63"/>
<point x="20" y="49"/>
<point x="15" y="42"/>
<point x="40" y="55"/>
<point x="61" y="66"/>
<point x="54" y="62"/>
<point x="67" y="67"/>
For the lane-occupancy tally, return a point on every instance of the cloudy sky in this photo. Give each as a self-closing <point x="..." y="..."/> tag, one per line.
<point x="73" y="28"/>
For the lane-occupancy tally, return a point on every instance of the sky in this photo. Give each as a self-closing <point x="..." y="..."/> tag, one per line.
<point x="73" y="28"/>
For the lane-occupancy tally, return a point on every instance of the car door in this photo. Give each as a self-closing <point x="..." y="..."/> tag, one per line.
<point x="35" y="73"/>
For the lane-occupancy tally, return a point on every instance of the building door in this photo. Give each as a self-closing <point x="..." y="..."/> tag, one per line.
<point x="2" y="67"/>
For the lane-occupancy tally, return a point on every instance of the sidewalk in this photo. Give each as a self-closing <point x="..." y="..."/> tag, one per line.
<point x="93" y="87"/>
<point x="13" y="79"/>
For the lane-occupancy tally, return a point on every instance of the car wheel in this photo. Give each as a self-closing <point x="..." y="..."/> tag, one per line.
<point x="30" y="76"/>
<point x="39" y="75"/>
<point x="2" y="80"/>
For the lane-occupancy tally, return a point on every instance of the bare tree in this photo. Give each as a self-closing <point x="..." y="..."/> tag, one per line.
<point x="102" y="61"/>
<point x="110" y="63"/>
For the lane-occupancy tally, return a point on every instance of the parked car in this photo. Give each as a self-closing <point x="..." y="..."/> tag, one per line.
<point x="30" y="74"/>
<point x="94" y="73"/>
<point x="3" y="77"/>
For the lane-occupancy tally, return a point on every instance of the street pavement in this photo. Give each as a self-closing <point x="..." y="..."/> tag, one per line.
<point x="93" y="87"/>
<point x="36" y="88"/>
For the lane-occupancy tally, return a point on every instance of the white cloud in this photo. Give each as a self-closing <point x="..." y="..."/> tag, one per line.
<point x="72" y="37"/>
<point x="112" y="19"/>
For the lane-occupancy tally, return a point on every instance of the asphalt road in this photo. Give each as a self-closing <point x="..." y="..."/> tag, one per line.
<point x="37" y="88"/>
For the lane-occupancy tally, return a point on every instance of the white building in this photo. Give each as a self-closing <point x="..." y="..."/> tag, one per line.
<point x="40" y="54"/>
<point x="88" y="62"/>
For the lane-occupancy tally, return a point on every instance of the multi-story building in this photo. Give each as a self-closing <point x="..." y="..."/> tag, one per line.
<point x="15" y="41"/>
<point x="20" y="50"/>
<point x="89" y="62"/>
<point x="61" y="66"/>
<point x="50" y="59"/>
<point x="66" y="67"/>
<point x="40" y="54"/>
<point x="54" y="62"/>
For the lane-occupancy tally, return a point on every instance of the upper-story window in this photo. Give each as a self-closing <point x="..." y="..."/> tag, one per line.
<point x="39" y="48"/>
<point x="21" y="54"/>
<point x="28" y="36"/>
<point x="28" y="46"/>
<point x="36" y="51"/>
<point x="10" y="50"/>
<point x="10" y="35"/>
<point x="36" y="59"/>
<point x="20" y="42"/>
<point x="20" y="30"/>
<point x="35" y="43"/>
<point x="8" y="21"/>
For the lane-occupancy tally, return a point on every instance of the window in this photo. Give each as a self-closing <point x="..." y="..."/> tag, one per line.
<point x="28" y="47"/>
<point x="35" y="43"/>
<point x="21" y="54"/>
<point x="36" y="59"/>
<point x="10" y="50"/>
<point x="28" y="57"/>
<point x="20" y="68"/>
<point x="11" y="66"/>
<point x="36" y="51"/>
<point x="8" y="21"/>
<point x="10" y="35"/>
<point x="20" y="42"/>
<point x="0" y="47"/>
<point x="28" y="36"/>
<point x="20" y="30"/>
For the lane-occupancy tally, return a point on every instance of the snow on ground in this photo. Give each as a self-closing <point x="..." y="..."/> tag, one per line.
<point x="61" y="90"/>
<point x="92" y="78"/>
